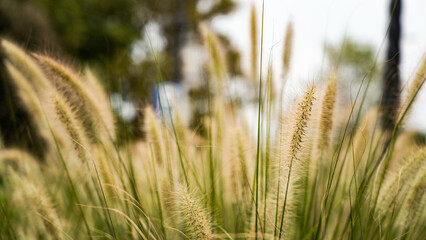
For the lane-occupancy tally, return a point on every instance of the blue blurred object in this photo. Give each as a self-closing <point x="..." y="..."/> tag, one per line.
<point x="168" y="97"/>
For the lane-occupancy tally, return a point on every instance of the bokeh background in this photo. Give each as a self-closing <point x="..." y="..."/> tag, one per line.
<point x="133" y="44"/>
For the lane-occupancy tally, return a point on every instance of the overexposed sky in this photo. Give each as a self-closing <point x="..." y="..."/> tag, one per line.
<point x="319" y="21"/>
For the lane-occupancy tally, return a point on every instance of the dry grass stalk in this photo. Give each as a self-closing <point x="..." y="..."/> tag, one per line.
<point x="288" y="45"/>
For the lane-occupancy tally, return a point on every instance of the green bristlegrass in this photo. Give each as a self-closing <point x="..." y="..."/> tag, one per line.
<point x="305" y="174"/>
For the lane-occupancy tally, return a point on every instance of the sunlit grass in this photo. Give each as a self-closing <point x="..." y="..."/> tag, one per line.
<point x="325" y="173"/>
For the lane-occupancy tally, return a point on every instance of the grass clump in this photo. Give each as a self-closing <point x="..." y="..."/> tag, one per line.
<point x="310" y="177"/>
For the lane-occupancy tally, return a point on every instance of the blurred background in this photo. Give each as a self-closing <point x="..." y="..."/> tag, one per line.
<point x="132" y="45"/>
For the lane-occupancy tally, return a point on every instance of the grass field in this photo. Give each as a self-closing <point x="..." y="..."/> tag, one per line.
<point x="326" y="172"/>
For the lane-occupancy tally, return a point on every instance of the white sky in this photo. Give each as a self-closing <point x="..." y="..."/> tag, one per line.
<point x="318" y="21"/>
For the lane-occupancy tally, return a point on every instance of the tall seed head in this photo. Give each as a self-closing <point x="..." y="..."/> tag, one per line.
<point x="253" y="38"/>
<point x="81" y="95"/>
<point x="103" y="102"/>
<point x="154" y="135"/>
<point x="216" y="61"/>
<point x="326" y="120"/>
<point x="38" y="200"/>
<point x="397" y="182"/>
<point x="195" y="216"/>
<point x="20" y="162"/>
<point x="32" y="103"/>
<point x="415" y="200"/>
<point x="302" y="116"/>
<point x="27" y="66"/>
<point x="416" y="84"/>
<point x="73" y="127"/>
<point x="288" y="45"/>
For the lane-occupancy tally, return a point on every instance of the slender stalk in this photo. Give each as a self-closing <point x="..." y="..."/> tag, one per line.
<point x="259" y="127"/>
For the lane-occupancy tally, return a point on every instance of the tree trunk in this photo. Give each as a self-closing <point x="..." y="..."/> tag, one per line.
<point x="391" y="79"/>
<point x="178" y="40"/>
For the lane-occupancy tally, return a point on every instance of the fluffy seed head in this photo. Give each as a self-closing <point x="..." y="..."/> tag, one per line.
<point x="41" y="203"/>
<point x="397" y="181"/>
<point x="416" y="198"/>
<point x="154" y="135"/>
<point x="72" y="126"/>
<point x="302" y="116"/>
<point x="288" y="44"/>
<point x="93" y="115"/>
<point x="195" y="217"/>
<point x="20" y="161"/>
<point x="253" y="38"/>
<point x="18" y="58"/>
<point x="32" y="103"/>
<point x="416" y="84"/>
<point x="103" y="102"/>
<point x="326" y="120"/>
<point x="217" y="63"/>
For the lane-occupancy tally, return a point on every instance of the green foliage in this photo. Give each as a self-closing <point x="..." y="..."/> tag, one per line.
<point x="101" y="34"/>
<point x="94" y="29"/>
<point x="359" y="57"/>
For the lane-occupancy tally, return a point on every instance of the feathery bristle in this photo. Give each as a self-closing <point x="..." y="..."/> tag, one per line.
<point x="217" y="63"/>
<point x="242" y="157"/>
<point x="40" y="202"/>
<point x="397" y="181"/>
<point x="415" y="199"/>
<point x="20" y="60"/>
<point x="103" y="102"/>
<point x="181" y="129"/>
<point x="87" y="99"/>
<point x="302" y="116"/>
<point x="73" y="127"/>
<point x="301" y="119"/>
<point x="239" y="173"/>
<point x="288" y="45"/>
<point x="32" y="103"/>
<point x="195" y="217"/>
<point x="20" y="161"/>
<point x="414" y="88"/>
<point x="154" y="135"/>
<point x="326" y="119"/>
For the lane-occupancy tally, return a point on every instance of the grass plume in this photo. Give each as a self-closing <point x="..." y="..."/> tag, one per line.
<point x="194" y="216"/>
<point x="305" y="174"/>
<point x="288" y="45"/>
<point x="254" y="42"/>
